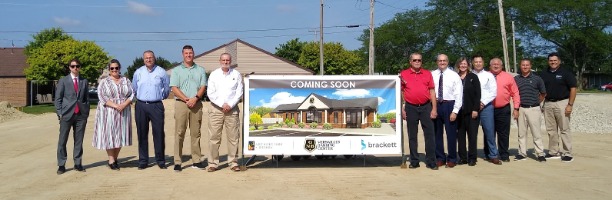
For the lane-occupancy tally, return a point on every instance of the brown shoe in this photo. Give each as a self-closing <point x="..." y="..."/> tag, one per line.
<point x="211" y="169"/>
<point x="439" y="163"/>
<point x="235" y="169"/>
<point x="495" y="161"/>
<point x="450" y="164"/>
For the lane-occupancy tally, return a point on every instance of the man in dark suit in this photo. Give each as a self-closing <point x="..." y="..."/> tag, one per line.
<point x="72" y="108"/>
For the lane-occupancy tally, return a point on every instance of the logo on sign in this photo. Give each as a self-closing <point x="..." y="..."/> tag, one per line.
<point x="251" y="145"/>
<point x="363" y="145"/>
<point x="310" y="145"/>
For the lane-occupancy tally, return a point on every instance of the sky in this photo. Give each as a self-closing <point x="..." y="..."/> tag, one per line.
<point x="124" y="29"/>
<point x="272" y="97"/>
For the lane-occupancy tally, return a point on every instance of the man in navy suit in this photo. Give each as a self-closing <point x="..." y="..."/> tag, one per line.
<point x="72" y="108"/>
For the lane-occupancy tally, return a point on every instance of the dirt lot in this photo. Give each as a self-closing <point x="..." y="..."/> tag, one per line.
<point x="28" y="165"/>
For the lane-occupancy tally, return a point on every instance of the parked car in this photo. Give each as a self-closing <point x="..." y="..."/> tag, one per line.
<point x="607" y="87"/>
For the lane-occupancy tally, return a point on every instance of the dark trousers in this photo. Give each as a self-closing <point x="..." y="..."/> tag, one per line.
<point x="415" y="114"/>
<point x="501" y="117"/>
<point x="441" y="123"/>
<point x="467" y="127"/>
<point x="153" y="113"/>
<point x="77" y="123"/>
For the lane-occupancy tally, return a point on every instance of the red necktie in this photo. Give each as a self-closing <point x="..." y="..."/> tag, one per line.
<point x="76" y="90"/>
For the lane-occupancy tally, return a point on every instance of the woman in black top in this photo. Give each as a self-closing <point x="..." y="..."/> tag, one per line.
<point x="468" y="118"/>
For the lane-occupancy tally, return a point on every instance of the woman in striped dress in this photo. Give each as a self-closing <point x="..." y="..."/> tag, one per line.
<point x="113" y="125"/>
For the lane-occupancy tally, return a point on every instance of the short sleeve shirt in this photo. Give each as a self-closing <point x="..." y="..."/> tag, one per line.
<point x="416" y="86"/>
<point x="558" y="83"/>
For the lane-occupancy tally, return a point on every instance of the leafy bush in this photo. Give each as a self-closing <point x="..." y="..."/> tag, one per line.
<point x="327" y="126"/>
<point x="314" y="125"/>
<point x="255" y="119"/>
<point x="252" y="128"/>
<point x="301" y="124"/>
<point x="290" y="124"/>
<point x="376" y="124"/>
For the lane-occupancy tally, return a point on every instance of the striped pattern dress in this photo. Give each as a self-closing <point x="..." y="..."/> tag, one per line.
<point x="113" y="129"/>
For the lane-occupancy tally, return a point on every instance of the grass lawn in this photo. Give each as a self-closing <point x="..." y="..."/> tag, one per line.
<point x="595" y="91"/>
<point x="45" y="108"/>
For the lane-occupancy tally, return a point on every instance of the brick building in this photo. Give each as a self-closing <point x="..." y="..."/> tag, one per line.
<point x="13" y="83"/>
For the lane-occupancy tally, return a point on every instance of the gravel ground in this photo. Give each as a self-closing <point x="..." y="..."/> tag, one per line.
<point x="592" y="114"/>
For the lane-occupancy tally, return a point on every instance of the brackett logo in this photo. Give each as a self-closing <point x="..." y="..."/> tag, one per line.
<point x="363" y="145"/>
<point x="378" y="145"/>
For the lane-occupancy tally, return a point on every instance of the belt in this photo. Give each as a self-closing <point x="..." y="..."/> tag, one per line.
<point x="555" y="100"/>
<point x="180" y="100"/>
<point x="447" y="101"/>
<point x="419" y="105"/>
<point x="527" y="106"/>
<point x="148" y="102"/>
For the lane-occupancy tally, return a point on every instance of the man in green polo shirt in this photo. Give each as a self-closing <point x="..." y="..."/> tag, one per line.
<point x="188" y="83"/>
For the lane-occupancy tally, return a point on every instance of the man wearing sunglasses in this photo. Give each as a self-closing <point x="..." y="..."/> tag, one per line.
<point x="72" y="108"/>
<point x="420" y="105"/>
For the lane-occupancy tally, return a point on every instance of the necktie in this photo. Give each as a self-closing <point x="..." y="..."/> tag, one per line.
<point x="76" y="90"/>
<point x="441" y="88"/>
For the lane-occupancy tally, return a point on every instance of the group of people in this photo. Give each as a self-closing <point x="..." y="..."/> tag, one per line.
<point x="456" y="102"/>
<point x="150" y="85"/>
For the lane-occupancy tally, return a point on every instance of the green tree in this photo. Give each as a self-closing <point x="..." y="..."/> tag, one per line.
<point x="139" y="62"/>
<point x="337" y="60"/>
<point x="45" y="36"/>
<point x="260" y="110"/>
<point x="579" y="30"/>
<point x="50" y="61"/>
<point x="290" y="50"/>
<point x="255" y="120"/>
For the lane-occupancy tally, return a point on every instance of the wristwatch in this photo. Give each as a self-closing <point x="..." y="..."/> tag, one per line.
<point x="197" y="96"/>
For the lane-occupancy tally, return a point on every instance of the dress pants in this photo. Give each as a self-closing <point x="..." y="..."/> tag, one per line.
<point x="77" y="122"/>
<point x="558" y="127"/>
<point x="502" y="129"/>
<point x="415" y="114"/>
<point x="220" y="121"/>
<point x="488" y="128"/>
<point x="467" y="127"/>
<point x="184" y="115"/>
<point x="441" y="123"/>
<point x="150" y="113"/>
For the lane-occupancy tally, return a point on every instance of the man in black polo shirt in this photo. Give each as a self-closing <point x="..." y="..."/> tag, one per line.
<point x="561" y="93"/>
<point x="532" y="92"/>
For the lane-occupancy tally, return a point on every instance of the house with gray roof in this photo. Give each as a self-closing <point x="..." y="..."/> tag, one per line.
<point x="340" y="113"/>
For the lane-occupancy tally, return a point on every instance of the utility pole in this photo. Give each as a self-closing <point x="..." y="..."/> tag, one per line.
<point x="503" y="31"/>
<point x="322" y="68"/>
<point x="371" y="50"/>
<point x="514" y="46"/>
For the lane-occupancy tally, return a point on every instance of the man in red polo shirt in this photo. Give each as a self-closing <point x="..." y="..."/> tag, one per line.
<point x="418" y="90"/>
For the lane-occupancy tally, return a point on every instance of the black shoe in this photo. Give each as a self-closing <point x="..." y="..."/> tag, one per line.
<point x="142" y="166"/>
<point x="79" y="168"/>
<point x="433" y="167"/>
<point x="505" y="160"/>
<point x="198" y="166"/>
<point x="162" y="166"/>
<point x="472" y="163"/>
<point x="61" y="170"/>
<point x="541" y="159"/>
<point x="567" y="159"/>
<point x="414" y="165"/>
<point x="112" y="166"/>
<point x="549" y="156"/>
<point x="177" y="168"/>
<point x="116" y="165"/>
<point x="462" y="162"/>
<point x="521" y="157"/>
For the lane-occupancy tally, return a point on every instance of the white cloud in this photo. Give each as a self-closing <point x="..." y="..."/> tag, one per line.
<point x="140" y="8"/>
<point x="65" y="21"/>
<point x="380" y="100"/>
<point x="391" y="111"/>
<point x="351" y="93"/>
<point x="282" y="98"/>
<point x="285" y="8"/>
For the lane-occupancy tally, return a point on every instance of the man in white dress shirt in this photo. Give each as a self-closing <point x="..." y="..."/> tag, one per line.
<point x="449" y="96"/>
<point x="224" y="91"/>
<point x="488" y="89"/>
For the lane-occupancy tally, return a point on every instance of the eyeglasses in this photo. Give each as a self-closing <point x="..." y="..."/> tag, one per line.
<point x="114" y="68"/>
<point x="416" y="60"/>
<point x="226" y="60"/>
<point x="75" y="66"/>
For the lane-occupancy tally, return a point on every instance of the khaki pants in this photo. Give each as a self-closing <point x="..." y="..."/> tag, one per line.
<point x="218" y="122"/>
<point x="183" y="115"/>
<point x="557" y="126"/>
<point x="530" y="118"/>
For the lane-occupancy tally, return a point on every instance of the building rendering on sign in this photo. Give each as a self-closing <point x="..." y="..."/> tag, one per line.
<point x="345" y="113"/>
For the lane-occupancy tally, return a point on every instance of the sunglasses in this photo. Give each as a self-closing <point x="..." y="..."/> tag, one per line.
<point x="416" y="60"/>
<point x="75" y="66"/>
<point x="114" y="68"/>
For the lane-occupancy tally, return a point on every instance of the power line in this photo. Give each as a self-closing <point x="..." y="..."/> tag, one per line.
<point x="186" y="32"/>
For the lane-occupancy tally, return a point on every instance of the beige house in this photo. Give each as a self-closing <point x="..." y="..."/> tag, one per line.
<point x="13" y="83"/>
<point x="249" y="58"/>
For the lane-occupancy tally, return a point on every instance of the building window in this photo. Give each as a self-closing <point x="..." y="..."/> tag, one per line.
<point x="335" y="117"/>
